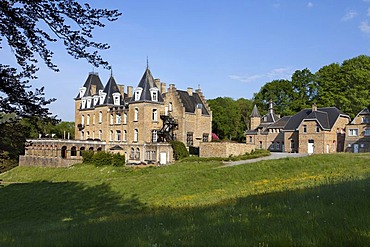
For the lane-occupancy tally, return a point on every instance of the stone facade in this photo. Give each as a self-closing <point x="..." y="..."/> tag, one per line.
<point x="358" y="133"/>
<point x="224" y="149"/>
<point x="316" y="130"/>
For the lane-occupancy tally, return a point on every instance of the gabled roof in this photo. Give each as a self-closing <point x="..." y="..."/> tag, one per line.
<point x="110" y="88"/>
<point x="364" y="111"/>
<point x="326" y="117"/>
<point x="255" y="112"/>
<point x="92" y="79"/>
<point x="192" y="102"/>
<point x="146" y="83"/>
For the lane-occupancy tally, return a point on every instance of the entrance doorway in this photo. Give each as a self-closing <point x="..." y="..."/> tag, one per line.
<point x="355" y="148"/>
<point x="163" y="158"/>
<point x="311" y="146"/>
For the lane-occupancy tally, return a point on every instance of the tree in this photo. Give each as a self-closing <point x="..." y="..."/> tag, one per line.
<point x="304" y="89"/>
<point x="22" y="25"/>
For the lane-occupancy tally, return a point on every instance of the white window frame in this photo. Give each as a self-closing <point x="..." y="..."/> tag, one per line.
<point x="136" y="135"/>
<point x="352" y="132"/>
<point x="88" y="119"/>
<point x="118" y="135"/>
<point x="124" y="138"/>
<point x="136" y="114"/>
<point x="118" y="118"/>
<point x="154" y="136"/>
<point x="111" y="118"/>
<point x="155" y="115"/>
<point x="125" y="118"/>
<point x="100" y="117"/>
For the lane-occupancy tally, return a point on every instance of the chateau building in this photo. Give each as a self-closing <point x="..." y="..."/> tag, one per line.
<point x="141" y="121"/>
<point x="315" y="130"/>
<point x="138" y="122"/>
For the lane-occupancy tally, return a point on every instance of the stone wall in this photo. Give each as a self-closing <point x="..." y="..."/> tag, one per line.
<point x="25" y="160"/>
<point x="224" y="149"/>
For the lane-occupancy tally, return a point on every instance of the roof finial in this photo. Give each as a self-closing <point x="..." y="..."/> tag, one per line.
<point x="147" y="62"/>
<point x="111" y="71"/>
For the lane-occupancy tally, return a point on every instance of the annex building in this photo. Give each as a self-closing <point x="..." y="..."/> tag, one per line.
<point x="313" y="130"/>
<point x="137" y="122"/>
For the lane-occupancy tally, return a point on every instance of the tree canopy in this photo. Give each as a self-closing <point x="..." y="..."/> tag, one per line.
<point x="28" y="27"/>
<point x="345" y="86"/>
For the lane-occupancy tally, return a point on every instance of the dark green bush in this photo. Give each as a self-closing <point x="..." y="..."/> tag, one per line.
<point x="179" y="150"/>
<point x="103" y="158"/>
<point x="118" y="160"/>
<point x="87" y="156"/>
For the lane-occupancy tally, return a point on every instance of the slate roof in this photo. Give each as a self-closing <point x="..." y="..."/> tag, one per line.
<point x="190" y="102"/>
<point x="146" y="83"/>
<point x="110" y="88"/>
<point x="255" y="112"/>
<point x="92" y="79"/>
<point x="280" y="123"/>
<point x="326" y="117"/>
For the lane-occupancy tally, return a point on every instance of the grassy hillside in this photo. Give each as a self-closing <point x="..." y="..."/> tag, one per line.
<point x="316" y="200"/>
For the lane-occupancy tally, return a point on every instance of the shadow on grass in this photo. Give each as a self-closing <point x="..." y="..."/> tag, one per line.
<point x="328" y="215"/>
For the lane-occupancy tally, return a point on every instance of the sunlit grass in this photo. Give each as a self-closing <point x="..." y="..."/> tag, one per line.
<point x="317" y="200"/>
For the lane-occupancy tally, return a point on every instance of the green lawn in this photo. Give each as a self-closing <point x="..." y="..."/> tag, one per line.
<point x="320" y="200"/>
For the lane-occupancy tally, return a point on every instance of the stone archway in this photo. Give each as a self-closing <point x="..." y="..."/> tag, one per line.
<point x="64" y="152"/>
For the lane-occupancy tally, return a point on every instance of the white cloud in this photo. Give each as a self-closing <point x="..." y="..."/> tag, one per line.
<point x="349" y="15"/>
<point x="274" y="74"/>
<point x="310" y="5"/>
<point x="365" y="28"/>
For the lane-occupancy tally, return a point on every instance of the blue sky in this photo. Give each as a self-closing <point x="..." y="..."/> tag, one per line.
<point x="230" y="47"/>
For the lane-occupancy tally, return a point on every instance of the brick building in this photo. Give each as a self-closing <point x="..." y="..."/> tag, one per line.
<point x="358" y="133"/>
<point x="315" y="130"/>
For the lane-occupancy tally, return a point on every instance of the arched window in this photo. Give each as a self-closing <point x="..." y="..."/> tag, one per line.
<point x="111" y="135"/>
<point x="73" y="151"/>
<point x="111" y="119"/>
<point x="136" y="116"/>
<point x="118" y="118"/>
<point x="64" y="152"/>
<point x="154" y="136"/>
<point x="100" y="134"/>
<point x="125" y="135"/>
<point x="154" y="115"/>
<point x="170" y="106"/>
<point x="118" y="135"/>
<point x="91" y="149"/>
<point x="99" y="149"/>
<point x="132" y="154"/>
<point x="87" y="134"/>
<point x="81" y="150"/>
<point x="82" y="119"/>
<point x="136" y="135"/>
<point x="137" y="155"/>
<point x="88" y="119"/>
<point x="125" y="118"/>
<point x="100" y="117"/>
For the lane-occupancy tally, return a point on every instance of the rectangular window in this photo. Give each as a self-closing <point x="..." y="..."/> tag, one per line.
<point x="367" y="132"/>
<point x="189" y="139"/>
<point x="125" y="118"/>
<point x="118" y="118"/>
<point x="353" y="132"/>
<point x="154" y="136"/>
<point x="205" y="137"/>
<point x="317" y="128"/>
<point x="250" y="139"/>
<point x="118" y="135"/>
<point x="111" y="119"/>
<point x="260" y="144"/>
<point x="272" y="147"/>
<point x="154" y="115"/>
<point x="304" y="128"/>
<point x="278" y="146"/>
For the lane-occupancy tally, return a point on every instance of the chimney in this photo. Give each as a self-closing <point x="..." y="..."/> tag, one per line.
<point x="163" y="87"/>
<point x="121" y="89"/>
<point x="157" y="82"/>
<point x="93" y="89"/>
<point x="190" y="91"/>
<point x="271" y="107"/>
<point x="129" y="91"/>
<point x="172" y="87"/>
<point x="314" y="107"/>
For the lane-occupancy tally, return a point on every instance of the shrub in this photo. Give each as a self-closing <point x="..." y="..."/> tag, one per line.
<point x="118" y="160"/>
<point x="102" y="158"/>
<point x="87" y="156"/>
<point x="179" y="150"/>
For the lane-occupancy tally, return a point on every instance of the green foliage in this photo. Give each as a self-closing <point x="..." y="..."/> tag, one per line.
<point x="87" y="156"/>
<point x="345" y="86"/>
<point x="102" y="158"/>
<point x="253" y="155"/>
<point x="179" y="150"/>
<point x="118" y="160"/>
<point x="312" y="201"/>
<point x="230" y="118"/>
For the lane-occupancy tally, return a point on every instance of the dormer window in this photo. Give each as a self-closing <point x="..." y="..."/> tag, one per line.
<point x="96" y="100"/>
<point x="138" y="92"/>
<point x="102" y="98"/>
<point x="83" y="105"/>
<point x="88" y="101"/>
<point x="82" y="91"/>
<point x="154" y="94"/>
<point x="116" y="98"/>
